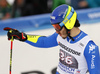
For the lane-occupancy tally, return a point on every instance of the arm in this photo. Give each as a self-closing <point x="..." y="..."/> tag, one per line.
<point x="42" y="41"/>
<point x="34" y="40"/>
<point x="91" y="54"/>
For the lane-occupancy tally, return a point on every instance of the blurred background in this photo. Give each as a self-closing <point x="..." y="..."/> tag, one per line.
<point x="33" y="17"/>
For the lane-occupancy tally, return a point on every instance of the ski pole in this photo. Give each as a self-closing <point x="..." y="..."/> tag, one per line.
<point x="10" y="30"/>
<point x="11" y="55"/>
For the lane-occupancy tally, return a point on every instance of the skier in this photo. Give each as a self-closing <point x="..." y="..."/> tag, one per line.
<point x="78" y="53"/>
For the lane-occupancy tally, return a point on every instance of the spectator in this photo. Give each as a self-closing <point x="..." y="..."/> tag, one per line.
<point x="49" y="5"/>
<point x="5" y="10"/>
<point x="93" y="3"/>
<point x="17" y="8"/>
<point x="33" y="7"/>
<point x="77" y="4"/>
<point x="57" y="3"/>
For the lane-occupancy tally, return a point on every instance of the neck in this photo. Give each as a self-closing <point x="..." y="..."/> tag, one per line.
<point x="75" y="31"/>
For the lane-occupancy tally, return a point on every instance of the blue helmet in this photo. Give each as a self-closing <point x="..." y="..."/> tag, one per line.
<point x="65" y="15"/>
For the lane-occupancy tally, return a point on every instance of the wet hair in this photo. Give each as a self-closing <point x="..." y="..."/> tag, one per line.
<point x="77" y="24"/>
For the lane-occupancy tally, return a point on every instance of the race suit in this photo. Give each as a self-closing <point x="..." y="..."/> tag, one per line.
<point x="75" y="57"/>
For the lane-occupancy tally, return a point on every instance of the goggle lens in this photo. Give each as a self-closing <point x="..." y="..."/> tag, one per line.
<point x="57" y="27"/>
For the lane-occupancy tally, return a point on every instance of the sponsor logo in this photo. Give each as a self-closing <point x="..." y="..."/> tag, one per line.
<point x="69" y="49"/>
<point x="92" y="62"/>
<point x="66" y="69"/>
<point x="91" y="48"/>
<point x="53" y="17"/>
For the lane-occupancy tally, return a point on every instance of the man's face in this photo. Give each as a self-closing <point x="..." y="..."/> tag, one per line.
<point x="61" y="31"/>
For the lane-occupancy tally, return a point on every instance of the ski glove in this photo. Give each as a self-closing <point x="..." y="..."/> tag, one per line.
<point x="16" y="34"/>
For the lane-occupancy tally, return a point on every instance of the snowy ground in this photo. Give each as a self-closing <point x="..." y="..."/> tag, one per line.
<point x="28" y="58"/>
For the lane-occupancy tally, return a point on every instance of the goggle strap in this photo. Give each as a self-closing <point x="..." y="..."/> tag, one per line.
<point x="71" y="38"/>
<point x="68" y="33"/>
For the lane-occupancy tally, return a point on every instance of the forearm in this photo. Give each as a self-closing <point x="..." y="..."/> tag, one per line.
<point x="35" y="40"/>
<point x="42" y="41"/>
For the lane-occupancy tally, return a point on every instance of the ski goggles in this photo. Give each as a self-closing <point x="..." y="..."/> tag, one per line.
<point x="57" y="27"/>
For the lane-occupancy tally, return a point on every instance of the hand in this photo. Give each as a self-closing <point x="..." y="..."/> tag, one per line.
<point x="16" y="34"/>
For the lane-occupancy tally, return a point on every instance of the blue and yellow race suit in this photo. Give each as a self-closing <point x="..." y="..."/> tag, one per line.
<point x="75" y="57"/>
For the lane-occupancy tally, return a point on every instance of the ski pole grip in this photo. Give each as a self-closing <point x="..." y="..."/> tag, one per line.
<point x="12" y="38"/>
